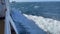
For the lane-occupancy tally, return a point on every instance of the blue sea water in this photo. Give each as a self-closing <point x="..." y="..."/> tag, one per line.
<point x="24" y="25"/>
<point x="45" y="9"/>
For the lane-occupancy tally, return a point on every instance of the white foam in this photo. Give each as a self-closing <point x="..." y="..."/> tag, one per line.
<point x="47" y="24"/>
<point x="36" y="7"/>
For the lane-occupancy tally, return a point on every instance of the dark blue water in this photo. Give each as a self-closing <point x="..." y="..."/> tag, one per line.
<point x="45" y="9"/>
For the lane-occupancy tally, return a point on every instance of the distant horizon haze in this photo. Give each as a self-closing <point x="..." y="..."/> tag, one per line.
<point x="32" y="0"/>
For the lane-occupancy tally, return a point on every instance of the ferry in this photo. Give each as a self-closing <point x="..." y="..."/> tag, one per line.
<point x="12" y="21"/>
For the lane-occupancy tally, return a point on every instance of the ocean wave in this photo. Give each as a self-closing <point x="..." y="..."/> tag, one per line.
<point x="47" y="24"/>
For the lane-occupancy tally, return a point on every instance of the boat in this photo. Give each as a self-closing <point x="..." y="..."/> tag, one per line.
<point x="20" y="23"/>
<point x="15" y="20"/>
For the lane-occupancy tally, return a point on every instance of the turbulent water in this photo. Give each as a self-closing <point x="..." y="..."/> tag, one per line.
<point x="47" y="24"/>
<point x="45" y="14"/>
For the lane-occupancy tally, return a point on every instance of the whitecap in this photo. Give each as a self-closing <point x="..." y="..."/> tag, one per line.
<point x="47" y="24"/>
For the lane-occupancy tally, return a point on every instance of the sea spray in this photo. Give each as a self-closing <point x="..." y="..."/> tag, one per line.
<point x="47" y="24"/>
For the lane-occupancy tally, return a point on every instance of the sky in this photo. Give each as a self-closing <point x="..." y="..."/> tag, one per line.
<point x="32" y="0"/>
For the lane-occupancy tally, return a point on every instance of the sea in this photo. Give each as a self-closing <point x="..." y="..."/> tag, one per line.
<point x="44" y="9"/>
<point x="45" y="14"/>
